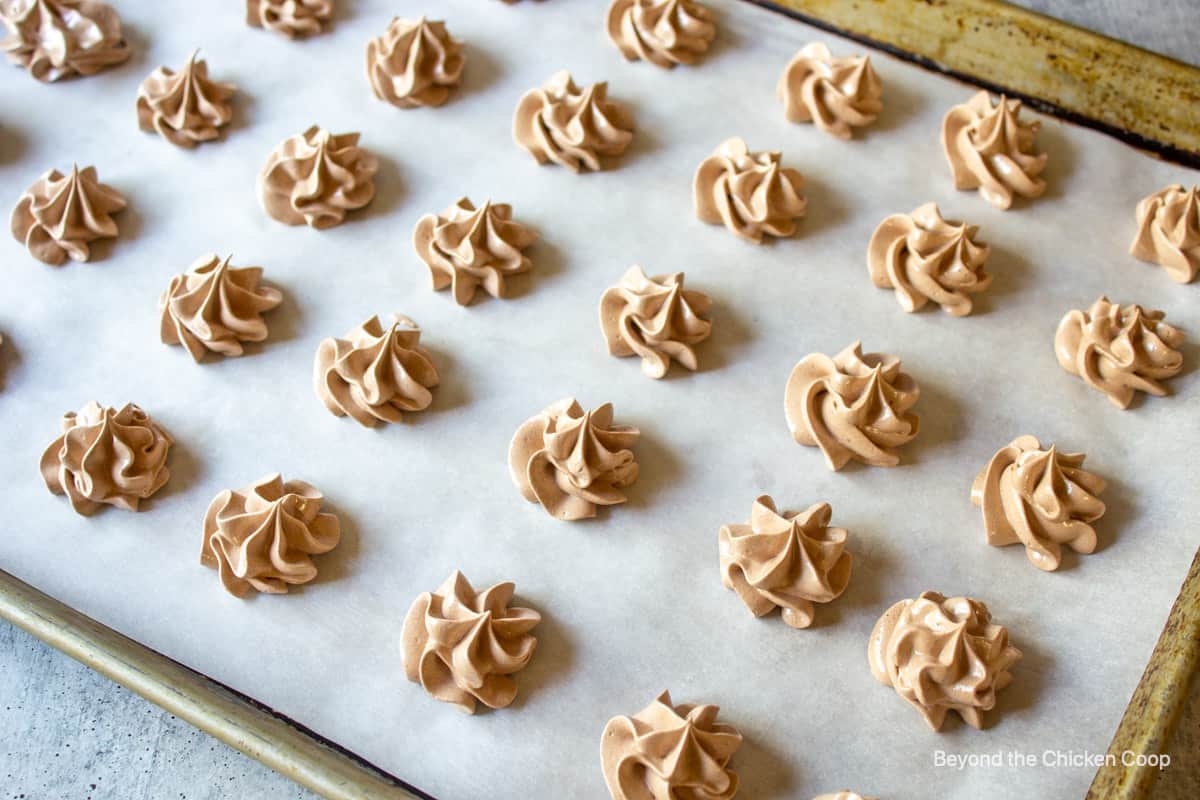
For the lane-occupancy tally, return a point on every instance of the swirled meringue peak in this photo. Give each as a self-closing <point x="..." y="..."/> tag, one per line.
<point x="60" y="215"/>
<point x="663" y="32"/>
<point x="942" y="654"/>
<point x="315" y="177"/>
<point x="574" y="128"/>
<point x="107" y="457"/>
<point x="852" y="406"/>
<point x="991" y="150"/>
<point x="1169" y="231"/>
<point x="414" y="63"/>
<point x="374" y="374"/>
<point x="749" y="192"/>
<point x="924" y="257"/>
<point x="57" y="39"/>
<point x="571" y="461"/>
<point x="789" y="561"/>
<point x="1119" y="349"/>
<point x="1042" y="499"/>
<point x="463" y="646"/>
<point x="844" y="794"/>
<point x="669" y="752"/>
<point x="836" y="94"/>
<point x="655" y="319"/>
<point x="215" y="307"/>
<point x="295" y="19"/>
<point x="467" y="247"/>
<point x="184" y="107"/>
<point x="261" y="537"/>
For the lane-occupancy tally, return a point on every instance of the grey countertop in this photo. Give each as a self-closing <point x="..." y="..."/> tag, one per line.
<point x="67" y="732"/>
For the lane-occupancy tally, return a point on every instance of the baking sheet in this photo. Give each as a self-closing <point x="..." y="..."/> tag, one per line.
<point x="632" y="602"/>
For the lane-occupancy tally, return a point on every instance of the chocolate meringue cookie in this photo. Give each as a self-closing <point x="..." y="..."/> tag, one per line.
<point x="749" y="192"/>
<point x="1119" y="349"/>
<point x="571" y="461"/>
<point x="942" y="654"/>
<point x="56" y="39"/>
<point x="1042" y="499"/>
<point x="663" y="32"/>
<point x="295" y="19"/>
<point x="60" y="215"/>
<point x="655" y="319"/>
<point x="462" y="646"/>
<point x="414" y="63"/>
<point x="668" y="752"/>
<point x="467" y="247"/>
<point x="107" y="457"/>
<point x="315" y="177"/>
<point x="991" y="150"/>
<point x="374" y="374"/>
<point x="575" y="128"/>
<point x="185" y="107"/>
<point x="215" y="307"/>
<point x="261" y="536"/>
<point x="1169" y="231"/>
<point x="924" y="257"/>
<point x="837" y="94"/>
<point x="852" y="406"/>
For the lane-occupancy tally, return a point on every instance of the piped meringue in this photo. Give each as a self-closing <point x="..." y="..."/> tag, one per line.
<point x="261" y="536"/>
<point x="571" y="461"/>
<point x="293" y="18"/>
<point x="789" y="561"/>
<point x="991" y="150"/>
<point x="668" y="752"/>
<point x="1119" y="349"/>
<point x="844" y="794"/>
<point x="57" y="39"/>
<point x="1169" y="231"/>
<point x="565" y="125"/>
<point x="663" y="32"/>
<point x="185" y="107"/>
<point x="215" y="307"/>
<point x="374" y="374"/>
<point x="749" y="192"/>
<point x="467" y="247"/>
<point x="925" y="257"/>
<point x="655" y="319"/>
<point x="852" y="406"/>
<point x="837" y="94"/>
<point x="315" y="177"/>
<point x="414" y="63"/>
<point x="60" y="215"/>
<point x="1042" y="499"/>
<point x="942" y="654"/>
<point x="107" y="457"/>
<point x="463" y="646"/>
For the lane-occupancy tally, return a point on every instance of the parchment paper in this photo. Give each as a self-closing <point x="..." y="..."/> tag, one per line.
<point x="632" y="602"/>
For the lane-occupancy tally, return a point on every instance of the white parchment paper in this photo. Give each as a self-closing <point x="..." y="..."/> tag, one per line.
<point x="632" y="601"/>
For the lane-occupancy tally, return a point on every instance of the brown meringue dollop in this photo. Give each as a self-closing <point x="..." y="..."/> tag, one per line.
<point x="942" y="654"/>
<point x="1169" y="231"/>
<point x="1119" y="349"/>
<point x="837" y="94"/>
<point x="60" y="215"/>
<point x="261" y="536"/>
<point x="663" y="32"/>
<point x="57" y="39"/>
<point x="655" y="319"/>
<point x="315" y="177"/>
<point x="925" y="257"/>
<point x="571" y="461"/>
<point x="852" y="406"/>
<point x="991" y="150"/>
<point x="293" y="18"/>
<point x="375" y="373"/>
<point x="463" y="646"/>
<point x="1042" y="499"/>
<point x="467" y="247"/>
<point x="185" y="107"/>
<point x="789" y="561"/>
<point x="670" y="752"/>
<point x="107" y="457"/>
<point x="215" y="307"/>
<point x="571" y="127"/>
<point x="414" y="63"/>
<point x="749" y="192"/>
